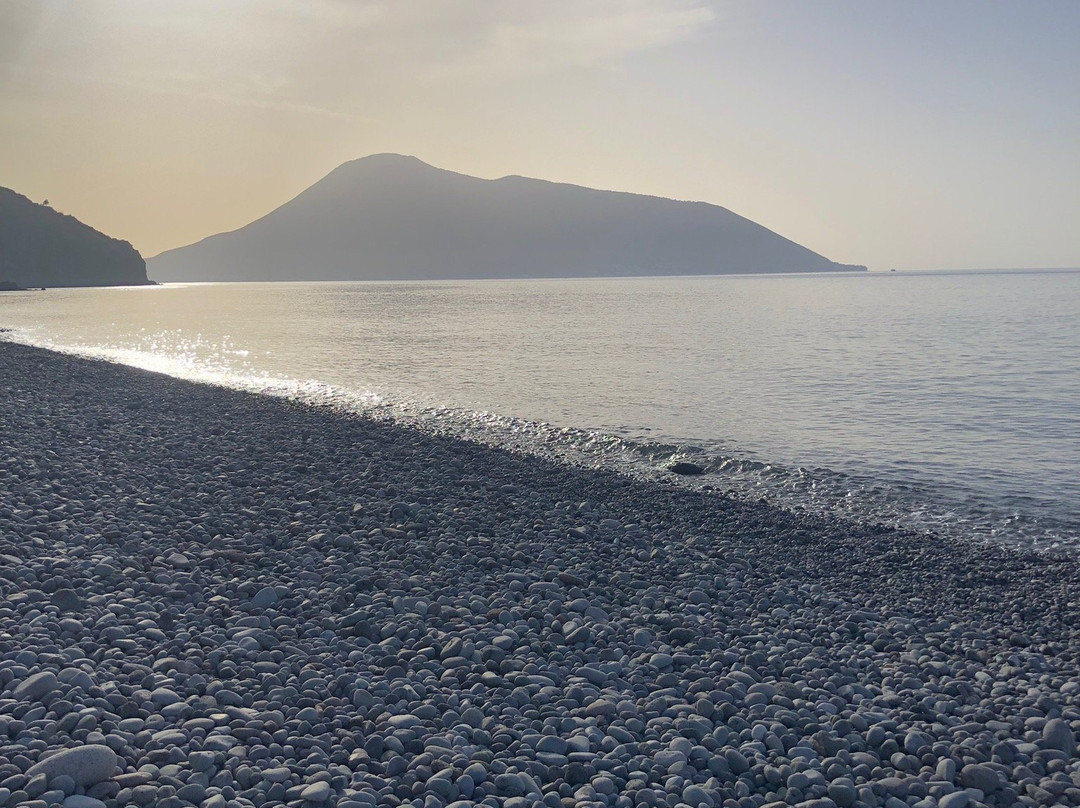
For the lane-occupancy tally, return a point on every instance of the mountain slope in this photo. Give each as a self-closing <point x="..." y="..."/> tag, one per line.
<point x="394" y="217"/>
<point x="40" y="247"/>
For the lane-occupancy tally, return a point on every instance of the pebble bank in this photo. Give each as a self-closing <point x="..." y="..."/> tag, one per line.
<point x="210" y="598"/>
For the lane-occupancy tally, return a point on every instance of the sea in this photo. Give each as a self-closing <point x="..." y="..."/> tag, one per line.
<point x="933" y="401"/>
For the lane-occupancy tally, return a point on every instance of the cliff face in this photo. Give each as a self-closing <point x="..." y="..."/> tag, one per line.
<point x="40" y="247"/>
<point x="388" y="217"/>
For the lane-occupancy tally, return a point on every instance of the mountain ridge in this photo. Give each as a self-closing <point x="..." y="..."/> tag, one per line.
<point x="388" y="216"/>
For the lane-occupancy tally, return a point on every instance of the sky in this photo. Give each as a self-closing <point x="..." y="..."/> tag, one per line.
<point x="915" y="134"/>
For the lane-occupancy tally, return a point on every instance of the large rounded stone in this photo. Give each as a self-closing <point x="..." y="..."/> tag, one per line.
<point x="36" y="686"/>
<point x="316" y="792"/>
<point x="265" y="598"/>
<point x="85" y="765"/>
<point x="976" y="775"/>
<point x="66" y="600"/>
<point x="686" y="467"/>
<point x="82" y="801"/>
<point x="1057" y="734"/>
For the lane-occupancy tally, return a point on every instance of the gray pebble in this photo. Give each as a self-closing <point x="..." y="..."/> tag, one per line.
<point x="314" y="609"/>
<point x="85" y="765"/>
<point x="35" y="687"/>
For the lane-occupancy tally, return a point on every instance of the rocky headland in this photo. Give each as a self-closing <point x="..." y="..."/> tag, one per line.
<point x="217" y="599"/>
<point x="40" y="247"/>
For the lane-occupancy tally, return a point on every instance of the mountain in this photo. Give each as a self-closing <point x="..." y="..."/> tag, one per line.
<point x="392" y="217"/>
<point x="40" y="247"/>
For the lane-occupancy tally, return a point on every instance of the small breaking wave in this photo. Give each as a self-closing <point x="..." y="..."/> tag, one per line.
<point x="961" y="514"/>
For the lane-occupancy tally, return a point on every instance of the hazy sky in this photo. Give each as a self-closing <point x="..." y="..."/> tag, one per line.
<point x="897" y="134"/>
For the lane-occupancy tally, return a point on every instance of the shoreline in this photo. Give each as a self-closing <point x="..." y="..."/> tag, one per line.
<point x="345" y="580"/>
<point x="817" y="489"/>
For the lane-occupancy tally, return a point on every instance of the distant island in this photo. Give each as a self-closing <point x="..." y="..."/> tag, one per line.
<point x="40" y="247"/>
<point x="391" y="217"/>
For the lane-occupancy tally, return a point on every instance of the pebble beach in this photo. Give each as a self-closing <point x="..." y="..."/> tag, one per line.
<point x="218" y="599"/>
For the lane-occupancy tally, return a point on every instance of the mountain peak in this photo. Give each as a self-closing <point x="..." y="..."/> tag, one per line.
<point x="385" y="161"/>
<point x="393" y="216"/>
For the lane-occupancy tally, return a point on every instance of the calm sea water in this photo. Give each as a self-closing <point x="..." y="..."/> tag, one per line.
<point x="935" y="401"/>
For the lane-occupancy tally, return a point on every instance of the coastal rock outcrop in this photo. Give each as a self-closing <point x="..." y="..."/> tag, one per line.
<point x="42" y="247"/>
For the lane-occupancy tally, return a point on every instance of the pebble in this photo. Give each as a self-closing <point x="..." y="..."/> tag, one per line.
<point x="316" y="792"/>
<point x="957" y="799"/>
<point x="33" y="688"/>
<point x="980" y="776"/>
<point x="85" y="765"/>
<point x="82" y="801"/>
<point x="66" y="600"/>
<point x="233" y="601"/>
<point x="265" y="598"/>
<point x="1059" y="735"/>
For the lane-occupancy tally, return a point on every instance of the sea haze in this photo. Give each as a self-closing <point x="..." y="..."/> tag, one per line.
<point x="930" y="400"/>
